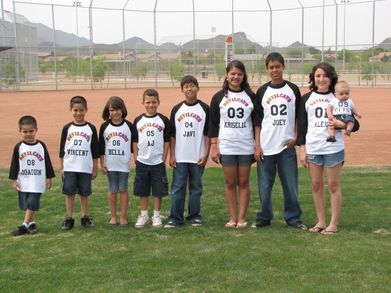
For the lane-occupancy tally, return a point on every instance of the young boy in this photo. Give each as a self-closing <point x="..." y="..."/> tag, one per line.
<point x="189" y="151"/>
<point x="31" y="173"/>
<point x="151" y="140"/>
<point x="275" y="143"/>
<point x="79" y="153"/>
<point x="341" y="110"/>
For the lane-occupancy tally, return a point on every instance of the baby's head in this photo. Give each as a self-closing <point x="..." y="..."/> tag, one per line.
<point x="342" y="90"/>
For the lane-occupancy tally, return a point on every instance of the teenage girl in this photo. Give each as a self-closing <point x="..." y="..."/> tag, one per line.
<point x="232" y="139"/>
<point x="315" y="152"/>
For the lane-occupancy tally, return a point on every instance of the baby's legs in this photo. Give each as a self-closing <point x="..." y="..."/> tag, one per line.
<point x="349" y="127"/>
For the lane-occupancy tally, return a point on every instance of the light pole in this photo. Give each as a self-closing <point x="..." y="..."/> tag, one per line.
<point x="77" y="4"/>
<point x="344" y="31"/>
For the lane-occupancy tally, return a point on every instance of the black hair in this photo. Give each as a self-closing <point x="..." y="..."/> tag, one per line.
<point x="151" y="93"/>
<point x="244" y="85"/>
<point x="274" y="56"/>
<point x="330" y="73"/>
<point x="115" y="103"/>
<point x="78" y="100"/>
<point x="27" y="120"/>
<point x="189" y="79"/>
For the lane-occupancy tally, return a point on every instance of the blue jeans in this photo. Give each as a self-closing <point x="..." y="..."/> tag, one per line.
<point x="286" y="165"/>
<point x="181" y="173"/>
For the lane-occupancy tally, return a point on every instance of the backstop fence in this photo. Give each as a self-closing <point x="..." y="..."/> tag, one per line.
<point x="133" y="43"/>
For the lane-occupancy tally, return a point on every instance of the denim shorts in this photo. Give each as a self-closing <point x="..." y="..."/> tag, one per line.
<point x="328" y="160"/>
<point x="236" y="160"/>
<point x="77" y="183"/>
<point x="150" y="177"/>
<point x="345" y="118"/>
<point x="29" y="201"/>
<point x="118" y="181"/>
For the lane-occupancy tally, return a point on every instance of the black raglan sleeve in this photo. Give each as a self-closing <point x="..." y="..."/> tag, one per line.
<point x="167" y="128"/>
<point x="63" y="139"/>
<point x="94" y="142"/>
<point x="48" y="163"/>
<point x="206" y="109"/>
<point x="14" y="169"/>
<point x="214" y="114"/>
<point x="302" y="123"/>
<point x="102" y="144"/>
<point x="172" y="119"/>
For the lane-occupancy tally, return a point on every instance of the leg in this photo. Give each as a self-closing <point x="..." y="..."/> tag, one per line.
<point x="144" y="201"/>
<point x="84" y="205"/>
<point x="266" y="171"/>
<point x="112" y="197"/>
<point x="70" y="203"/>
<point x="244" y="192"/>
<point x="124" y="204"/>
<point x="287" y="171"/>
<point x="349" y="127"/>
<point x="178" y="192"/>
<point x="318" y="194"/>
<point x="157" y="203"/>
<point x="334" y="175"/>
<point x="230" y="175"/>
<point x="28" y="216"/>
<point x="195" y="191"/>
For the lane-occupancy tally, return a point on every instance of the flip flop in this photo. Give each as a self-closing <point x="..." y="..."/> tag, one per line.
<point x="316" y="229"/>
<point x="328" y="232"/>
<point x="241" y="225"/>
<point x="230" y="224"/>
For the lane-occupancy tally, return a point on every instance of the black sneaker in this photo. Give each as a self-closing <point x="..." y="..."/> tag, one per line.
<point x="19" y="231"/>
<point x="298" y="225"/>
<point x="33" y="228"/>
<point x="260" y="224"/>
<point x="86" y="222"/>
<point x="68" y="224"/>
<point x="196" y="222"/>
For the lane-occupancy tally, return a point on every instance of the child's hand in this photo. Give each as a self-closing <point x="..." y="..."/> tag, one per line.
<point x="303" y="157"/>
<point x="202" y="161"/>
<point x="291" y="143"/>
<point x="94" y="173"/>
<point x="258" y="154"/>
<point x="104" y="168"/>
<point x="49" y="183"/>
<point x="215" y="154"/>
<point x="15" y="185"/>
<point x="172" y="161"/>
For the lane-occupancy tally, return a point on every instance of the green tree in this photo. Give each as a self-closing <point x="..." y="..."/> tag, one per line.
<point x="69" y="64"/>
<point x="9" y="73"/>
<point x="220" y="70"/>
<point x="99" y="68"/>
<point x="140" y="70"/>
<point x="176" y="70"/>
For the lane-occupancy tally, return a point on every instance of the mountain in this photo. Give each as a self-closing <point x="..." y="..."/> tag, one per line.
<point x="63" y="39"/>
<point x="218" y="42"/>
<point x="386" y="44"/>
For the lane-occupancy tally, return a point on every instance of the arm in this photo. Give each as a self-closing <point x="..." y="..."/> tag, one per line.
<point x="258" y="154"/>
<point x="103" y="164"/>
<point x="94" y="168"/>
<point x="303" y="156"/>
<point x="135" y="151"/>
<point x="202" y="161"/>
<point x="214" y="150"/>
<point x="172" y="153"/>
<point x="354" y="111"/>
<point x="165" y="151"/>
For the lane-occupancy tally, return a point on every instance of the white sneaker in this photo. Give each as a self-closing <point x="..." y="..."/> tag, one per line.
<point x="156" y="222"/>
<point x="141" y="221"/>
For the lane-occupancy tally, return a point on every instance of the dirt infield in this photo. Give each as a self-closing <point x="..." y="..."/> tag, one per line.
<point x="370" y="146"/>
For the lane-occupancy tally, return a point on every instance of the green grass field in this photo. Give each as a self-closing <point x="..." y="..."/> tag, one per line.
<point x="210" y="258"/>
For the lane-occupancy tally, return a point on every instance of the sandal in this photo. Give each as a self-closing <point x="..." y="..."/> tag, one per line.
<point x="328" y="232"/>
<point x="230" y="224"/>
<point x="316" y="229"/>
<point x="241" y="225"/>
